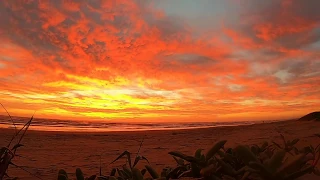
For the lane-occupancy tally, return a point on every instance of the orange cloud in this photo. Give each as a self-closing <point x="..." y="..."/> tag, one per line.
<point x="133" y="60"/>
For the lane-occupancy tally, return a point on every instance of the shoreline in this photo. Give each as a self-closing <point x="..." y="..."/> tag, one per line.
<point x="148" y="130"/>
<point x="46" y="152"/>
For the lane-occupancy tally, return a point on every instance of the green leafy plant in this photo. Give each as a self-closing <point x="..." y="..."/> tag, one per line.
<point x="288" y="146"/>
<point x="129" y="170"/>
<point x="200" y="164"/>
<point x="249" y="162"/>
<point x="255" y="162"/>
<point x="63" y="175"/>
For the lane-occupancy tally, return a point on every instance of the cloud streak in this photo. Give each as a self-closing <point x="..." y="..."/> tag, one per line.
<point x="142" y="60"/>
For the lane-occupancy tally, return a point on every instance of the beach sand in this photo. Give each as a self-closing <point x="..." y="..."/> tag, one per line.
<point x="45" y="153"/>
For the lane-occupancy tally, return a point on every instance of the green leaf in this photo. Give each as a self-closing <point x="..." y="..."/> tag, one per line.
<point x="184" y="157"/>
<point x="284" y="140"/>
<point x="113" y="172"/>
<point x="306" y="150"/>
<point x="299" y="173"/>
<point x="229" y="151"/>
<point x="255" y="149"/>
<point x="144" y="158"/>
<point x="136" y="160"/>
<point x="62" y="175"/>
<point x="265" y="173"/>
<point x="122" y="174"/>
<point x="112" y="178"/>
<point x="185" y="174"/>
<point x="127" y="171"/>
<point x="143" y="172"/>
<point x="139" y="158"/>
<point x="246" y="175"/>
<point x="221" y="153"/>
<point x="317" y="149"/>
<point x="2" y="152"/>
<point x="264" y="145"/>
<point x="203" y="158"/>
<point x="179" y="161"/>
<point x="226" y="167"/>
<point x="276" y="160"/>
<point x="316" y="171"/>
<point x="228" y="157"/>
<point x="207" y="171"/>
<point x="312" y="149"/>
<point x="174" y="173"/>
<point x="293" y="162"/>
<point x="195" y="169"/>
<point x="296" y="151"/>
<point x="136" y="174"/>
<point x="197" y="154"/>
<point x="125" y="153"/>
<point x="293" y="142"/>
<point x="79" y="174"/>
<point x="103" y="177"/>
<point x="245" y="154"/>
<point x="93" y="177"/>
<point x="215" y="148"/>
<point x="165" y="172"/>
<point x="277" y="145"/>
<point x="16" y="146"/>
<point x="152" y="172"/>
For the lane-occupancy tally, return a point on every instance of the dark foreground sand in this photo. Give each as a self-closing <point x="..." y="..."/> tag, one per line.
<point x="46" y="152"/>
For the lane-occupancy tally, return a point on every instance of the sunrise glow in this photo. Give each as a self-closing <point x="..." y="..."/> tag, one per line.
<point x="160" y="60"/>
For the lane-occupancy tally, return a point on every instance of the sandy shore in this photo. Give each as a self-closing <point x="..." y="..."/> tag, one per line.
<point x="46" y="152"/>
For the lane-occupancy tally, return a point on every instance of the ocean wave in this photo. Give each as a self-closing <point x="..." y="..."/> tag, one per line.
<point x="100" y="126"/>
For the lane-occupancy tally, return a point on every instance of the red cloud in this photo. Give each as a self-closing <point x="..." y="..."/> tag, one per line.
<point x="122" y="59"/>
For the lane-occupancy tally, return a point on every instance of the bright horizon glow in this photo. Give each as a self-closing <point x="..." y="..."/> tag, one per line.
<point x="160" y="61"/>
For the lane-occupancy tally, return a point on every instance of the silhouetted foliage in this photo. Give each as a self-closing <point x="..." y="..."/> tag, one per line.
<point x="281" y="161"/>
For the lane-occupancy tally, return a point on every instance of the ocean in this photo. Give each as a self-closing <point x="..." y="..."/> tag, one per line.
<point x="102" y="126"/>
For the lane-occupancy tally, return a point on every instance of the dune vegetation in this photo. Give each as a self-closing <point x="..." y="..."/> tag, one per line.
<point x="282" y="161"/>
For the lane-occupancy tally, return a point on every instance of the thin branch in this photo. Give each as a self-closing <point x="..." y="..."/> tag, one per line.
<point x="18" y="133"/>
<point x="15" y="127"/>
<point x="27" y="171"/>
<point x="140" y="145"/>
<point x="27" y="127"/>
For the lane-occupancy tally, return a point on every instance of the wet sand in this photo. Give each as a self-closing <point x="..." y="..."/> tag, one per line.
<point x="45" y="153"/>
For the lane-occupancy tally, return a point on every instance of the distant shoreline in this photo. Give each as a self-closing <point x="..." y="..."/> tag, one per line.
<point x="150" y="129"/>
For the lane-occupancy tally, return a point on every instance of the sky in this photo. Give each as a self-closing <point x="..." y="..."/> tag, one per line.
<point x="160" y="60"/>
